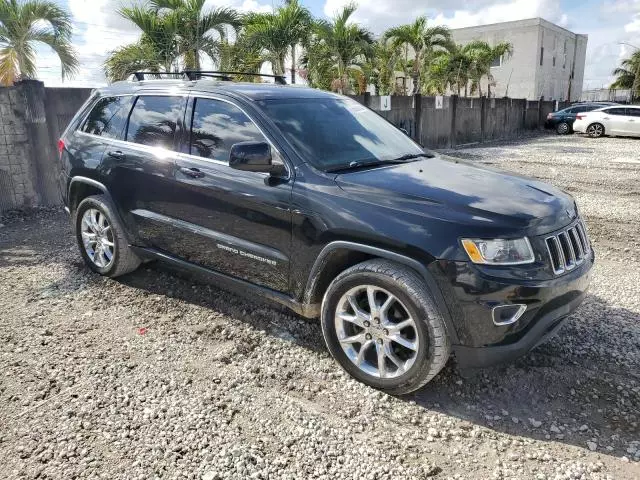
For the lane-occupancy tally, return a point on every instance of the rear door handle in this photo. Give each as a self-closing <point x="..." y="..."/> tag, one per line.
<point x="192" y="172"/>
<point x="117" y="154"/>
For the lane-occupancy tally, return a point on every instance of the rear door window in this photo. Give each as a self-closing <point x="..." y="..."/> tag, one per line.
<point x="108" y="117"/>
<point x="216" y="126"/>
<point x="633" y="112"/>
<point x="154" y="121"/>
<point x="616" y="111"/>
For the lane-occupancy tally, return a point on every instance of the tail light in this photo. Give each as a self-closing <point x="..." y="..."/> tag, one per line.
<point x="580" y="117"/>
<point x="60" y="147"/>
<point x="549" y="115"/>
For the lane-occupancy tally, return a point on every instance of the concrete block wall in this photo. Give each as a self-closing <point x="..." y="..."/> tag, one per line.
<point x="32" y="118"/>
<point x="17" y="175"/>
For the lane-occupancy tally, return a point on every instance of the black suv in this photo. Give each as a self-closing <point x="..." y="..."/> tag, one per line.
<point x="313" y="201"/>
<point x="562" y="120"/>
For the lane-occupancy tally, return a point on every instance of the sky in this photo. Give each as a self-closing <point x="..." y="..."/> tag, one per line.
<point x="99" y="29"/>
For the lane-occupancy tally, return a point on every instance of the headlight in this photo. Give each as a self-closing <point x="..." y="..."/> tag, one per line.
<point x="499" y="251"/>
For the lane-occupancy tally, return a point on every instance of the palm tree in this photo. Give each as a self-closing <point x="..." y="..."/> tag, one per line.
<point x="25" y="23"/>
<point x="481" y="56"/>
<point x="173" y="32"/>
<point x="381" y="67"/>
<point x="195" y="27"/>
<point x="628" y="75"/>
<point x="346" y="46"/>
<point x="136" y="57"/>
<point x="279" y="33"/>
<point x="241" y="56"/>
<point x="447" y="70"/>
<point x="157" y="49"/>
<point x="425" y="41"/>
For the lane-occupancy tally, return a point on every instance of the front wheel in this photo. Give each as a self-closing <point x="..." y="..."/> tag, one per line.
<point x="382" y="326"/>
<point x="595" y="130"/>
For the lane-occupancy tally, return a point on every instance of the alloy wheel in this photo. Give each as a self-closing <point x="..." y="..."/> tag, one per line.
<point x="595" y="130"/>
<point x="97" y="237"/>
<point x="563" y="128"/>
<point x="376" y="331"/>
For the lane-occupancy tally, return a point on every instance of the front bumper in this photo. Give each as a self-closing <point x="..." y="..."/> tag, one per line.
<point x="471" y="296"/>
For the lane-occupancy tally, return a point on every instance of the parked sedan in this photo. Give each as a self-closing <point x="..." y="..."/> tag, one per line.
<point x="623" y="121"/>
<point x="562" y="120"/>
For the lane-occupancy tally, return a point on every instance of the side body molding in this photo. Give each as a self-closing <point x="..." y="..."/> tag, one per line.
<point x="421" y="269"/>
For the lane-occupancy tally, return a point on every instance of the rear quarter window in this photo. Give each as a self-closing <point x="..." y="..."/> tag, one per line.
<point x="108" y="117"/>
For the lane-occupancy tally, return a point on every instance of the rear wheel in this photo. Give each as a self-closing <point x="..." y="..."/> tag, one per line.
<point x="595" y="130"/>
<point x="563" y="128"/>
<point x="101" y="238"/>
<point x="383" y="328"/>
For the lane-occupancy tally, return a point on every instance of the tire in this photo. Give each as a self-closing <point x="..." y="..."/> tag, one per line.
<point x="563" y="128"/>
<point x="427" y="334"/>
<point x="121" y="259"/>
<point x="595" y="130"/>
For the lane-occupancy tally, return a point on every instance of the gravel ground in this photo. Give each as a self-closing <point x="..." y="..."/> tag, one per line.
<point x="156" y="376"/>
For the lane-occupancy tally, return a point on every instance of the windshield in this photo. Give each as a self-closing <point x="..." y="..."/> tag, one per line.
<point x="333" y="132"/>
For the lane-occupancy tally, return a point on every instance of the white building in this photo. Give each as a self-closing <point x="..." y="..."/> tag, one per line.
<point x="547" y="60"/>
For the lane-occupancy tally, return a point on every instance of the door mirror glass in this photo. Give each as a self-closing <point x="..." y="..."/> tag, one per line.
<point x="254" y="157"/>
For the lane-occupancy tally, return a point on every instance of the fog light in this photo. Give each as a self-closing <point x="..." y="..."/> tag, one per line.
<point x="507" y="314"/>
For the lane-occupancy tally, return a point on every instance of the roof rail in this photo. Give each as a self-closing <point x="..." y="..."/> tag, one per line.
<point x="140" y="76"/>
<point x="197" y="74"/>
<point x="228" y="76"/>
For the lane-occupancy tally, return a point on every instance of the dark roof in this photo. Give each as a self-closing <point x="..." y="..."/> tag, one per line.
<point x="252" y="91"/>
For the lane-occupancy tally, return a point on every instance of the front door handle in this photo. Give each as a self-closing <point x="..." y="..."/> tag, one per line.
<point x="117" y="154"/>
<point x="192" y="172"/>
<point x="631" y="120"/>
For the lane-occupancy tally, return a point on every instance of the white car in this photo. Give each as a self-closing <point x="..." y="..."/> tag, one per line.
<point x="619" y="120"/>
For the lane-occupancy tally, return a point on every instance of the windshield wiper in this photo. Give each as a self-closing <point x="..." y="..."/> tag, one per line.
<point x="411" y="156"/>
<point x="360" y="165"/>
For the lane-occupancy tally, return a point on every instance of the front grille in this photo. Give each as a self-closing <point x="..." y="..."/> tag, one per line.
<point x="568" y="249"/>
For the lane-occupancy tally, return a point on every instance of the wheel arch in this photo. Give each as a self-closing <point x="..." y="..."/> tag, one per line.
<point x="82" y="187"/>
<point x="339" y="255"/>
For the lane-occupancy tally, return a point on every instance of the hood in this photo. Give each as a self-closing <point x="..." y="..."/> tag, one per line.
<point x="457" y="190"/>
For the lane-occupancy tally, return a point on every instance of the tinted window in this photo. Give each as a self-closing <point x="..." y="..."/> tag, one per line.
<point x="108" y="117"/>
<point x="332" y="132"/>
<point x="633" y="112"/>
<point x="615" y="111"/>
<point x="154" y="120"/>
<point x="217" y="126"/>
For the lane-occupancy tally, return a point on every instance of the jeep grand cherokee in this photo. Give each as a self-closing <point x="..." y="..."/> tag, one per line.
<point x="313" y="201"/>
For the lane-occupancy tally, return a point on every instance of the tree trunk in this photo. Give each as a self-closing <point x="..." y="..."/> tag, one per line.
<point x="466" y="89"/>
<point x="488" y="90"/>
<point x="293" y="64"/>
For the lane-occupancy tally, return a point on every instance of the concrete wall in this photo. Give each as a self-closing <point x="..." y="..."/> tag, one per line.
<point x="521" y="75"/>
<point x="462" y="120"/>
<point x="32" y="118"/>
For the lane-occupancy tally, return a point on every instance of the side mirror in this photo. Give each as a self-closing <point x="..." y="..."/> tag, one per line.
<point x="254" y="157"/>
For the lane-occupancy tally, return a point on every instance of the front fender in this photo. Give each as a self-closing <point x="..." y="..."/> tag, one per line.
<point x="333" y="254"/>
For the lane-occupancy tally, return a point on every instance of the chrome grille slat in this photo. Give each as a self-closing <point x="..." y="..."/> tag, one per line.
<point x="568" y="249"/>
<point x="575" y="242"/>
